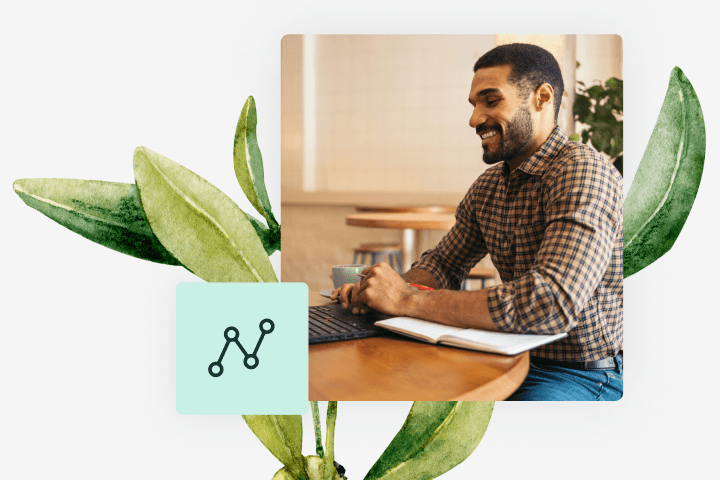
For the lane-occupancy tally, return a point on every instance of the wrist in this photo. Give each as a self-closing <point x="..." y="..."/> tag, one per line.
<point x="413" y="302"/>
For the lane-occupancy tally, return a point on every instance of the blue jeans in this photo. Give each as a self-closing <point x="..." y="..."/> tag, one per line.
<point x="545" y="382"/>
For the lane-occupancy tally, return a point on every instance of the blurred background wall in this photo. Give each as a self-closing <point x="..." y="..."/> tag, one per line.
<point x="383" y="120"/>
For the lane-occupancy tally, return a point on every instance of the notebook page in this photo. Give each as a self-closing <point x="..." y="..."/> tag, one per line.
<point x="508" y="343"/>
<point x="497" y="339"/>
<point x="418" y="328"/>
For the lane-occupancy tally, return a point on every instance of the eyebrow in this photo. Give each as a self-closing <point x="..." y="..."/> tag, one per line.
<point x="484" y="92"/>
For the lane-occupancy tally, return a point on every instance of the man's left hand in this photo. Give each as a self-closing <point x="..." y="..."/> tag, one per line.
<point x="383" y="290"/>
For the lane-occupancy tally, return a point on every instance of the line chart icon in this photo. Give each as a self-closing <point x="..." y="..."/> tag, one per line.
<point x="232" y="335"/>
<point x="221" y="332"/>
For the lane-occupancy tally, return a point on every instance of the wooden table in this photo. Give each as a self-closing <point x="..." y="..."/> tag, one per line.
<point x="396" y="368"/>
<point x="410" y="223"/>
<point x="366" y="209"/>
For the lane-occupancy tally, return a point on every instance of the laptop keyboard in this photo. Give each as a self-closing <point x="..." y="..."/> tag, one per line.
<point x="322" y="321"/>
<point x="325" y="324"/>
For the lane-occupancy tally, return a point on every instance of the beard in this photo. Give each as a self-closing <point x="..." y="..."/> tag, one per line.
<point x="517" y="136"/>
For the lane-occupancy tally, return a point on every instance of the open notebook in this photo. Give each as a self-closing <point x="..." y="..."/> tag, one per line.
<point x="481" y="340"/>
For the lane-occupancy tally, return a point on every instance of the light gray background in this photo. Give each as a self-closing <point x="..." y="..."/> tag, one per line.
<point x="87" y="335"/>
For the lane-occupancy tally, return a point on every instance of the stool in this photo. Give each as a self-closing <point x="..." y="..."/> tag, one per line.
<point x="377" y="251"/>
<point x="478" y="273"/>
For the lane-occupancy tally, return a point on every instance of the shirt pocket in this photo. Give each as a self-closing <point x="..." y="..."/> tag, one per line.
<point x="527" y="240"/>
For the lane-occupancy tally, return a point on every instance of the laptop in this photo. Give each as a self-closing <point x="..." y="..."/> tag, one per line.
<point x="332" y="323"/>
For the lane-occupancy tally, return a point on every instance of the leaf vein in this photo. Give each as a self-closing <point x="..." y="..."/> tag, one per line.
<point x="70" y="209"/>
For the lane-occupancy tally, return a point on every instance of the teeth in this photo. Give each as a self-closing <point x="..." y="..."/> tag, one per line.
<point x="488" y="135"/>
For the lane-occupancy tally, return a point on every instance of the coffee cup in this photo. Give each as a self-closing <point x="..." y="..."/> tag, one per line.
<point x="343" y="274"/>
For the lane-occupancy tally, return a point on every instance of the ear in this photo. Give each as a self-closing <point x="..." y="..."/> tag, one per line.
<point x="544" y="97"/>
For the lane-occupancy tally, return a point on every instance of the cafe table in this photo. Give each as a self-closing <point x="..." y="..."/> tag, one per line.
<point x="399" y="368"/>
<point x="411" y="224"/>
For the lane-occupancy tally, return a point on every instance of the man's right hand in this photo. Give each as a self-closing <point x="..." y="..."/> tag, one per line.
<point x="347" y="292"/>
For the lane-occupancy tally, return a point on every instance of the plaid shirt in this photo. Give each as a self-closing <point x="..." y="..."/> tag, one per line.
<point x="553" y="229"/>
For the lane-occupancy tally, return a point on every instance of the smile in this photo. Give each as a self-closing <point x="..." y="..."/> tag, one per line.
<point x="488" y="134"/>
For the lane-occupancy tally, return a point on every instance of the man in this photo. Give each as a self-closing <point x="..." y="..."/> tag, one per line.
<point x="549" y="214"/>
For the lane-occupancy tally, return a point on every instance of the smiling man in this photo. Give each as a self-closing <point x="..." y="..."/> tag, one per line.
<point x="549" y="213"/>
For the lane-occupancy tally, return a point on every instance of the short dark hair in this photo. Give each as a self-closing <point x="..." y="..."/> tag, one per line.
<point x="531" y="66"/>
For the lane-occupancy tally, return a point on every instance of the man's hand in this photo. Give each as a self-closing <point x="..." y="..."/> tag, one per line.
<point x="387" y="301"/>
<point x="382" y="289"/>
<point x="344" y="294"/>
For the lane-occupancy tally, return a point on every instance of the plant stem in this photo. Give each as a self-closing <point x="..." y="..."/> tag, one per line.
<point x="318" y="431"/>
<point x="330" y="441"/>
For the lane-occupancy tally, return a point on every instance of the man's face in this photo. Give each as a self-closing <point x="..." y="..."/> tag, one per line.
<point x="500" y="117"/>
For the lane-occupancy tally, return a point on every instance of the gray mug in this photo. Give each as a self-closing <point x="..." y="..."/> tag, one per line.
<point x="343" y="274"/>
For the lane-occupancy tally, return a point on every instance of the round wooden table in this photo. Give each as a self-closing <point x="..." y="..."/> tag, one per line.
<point x="399" y="368"/>
<point x="411" y="225"/>
<point x="406" y="209"/>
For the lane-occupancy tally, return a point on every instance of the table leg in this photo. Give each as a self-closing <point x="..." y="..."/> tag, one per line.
<point x="418" y="242"/>
<point x="408" y="248"/>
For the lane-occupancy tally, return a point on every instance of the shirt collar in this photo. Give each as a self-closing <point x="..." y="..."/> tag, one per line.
<point x="538" y="161"/>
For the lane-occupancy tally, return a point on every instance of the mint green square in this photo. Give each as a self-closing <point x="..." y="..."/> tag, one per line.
<point x="277" y="384"/>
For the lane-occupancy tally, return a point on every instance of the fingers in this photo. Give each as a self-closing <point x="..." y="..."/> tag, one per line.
<point x="355" y="292"/>
<point x="346" y="294"/>
<point x="362" y="310"/>
<point x="335" y="295"/>
<point x="358" y="305"/>
<point x="359" y="296"/>
<point x="343" y="294"/>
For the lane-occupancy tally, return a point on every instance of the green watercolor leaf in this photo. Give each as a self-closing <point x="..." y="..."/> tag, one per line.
<point x="330" y="472"/>
<point x="199" y="224"/>
<point x="107" y="213"/>
<point x="248" y="162"/>
<point x="270" y="238"/>
<point x="667" y="180"/>
<point x="282" y="435"/>
<point x="436" y="437"/>
<point x="317" y="427"/>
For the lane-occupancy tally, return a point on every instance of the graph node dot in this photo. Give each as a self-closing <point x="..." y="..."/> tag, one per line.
<point x="231" y="333"/>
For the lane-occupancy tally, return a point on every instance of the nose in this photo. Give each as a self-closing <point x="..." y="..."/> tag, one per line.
<point x="477" y="118"/>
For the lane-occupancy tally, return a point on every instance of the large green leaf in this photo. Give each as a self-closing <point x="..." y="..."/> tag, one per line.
<point x="667" y="180"/>
<point x="107" y="213"/>
<point x="282" y="435"/>
<point x="248" y="162"/>
<point x="436" y="437"/>
<point x="199" y="224"/>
